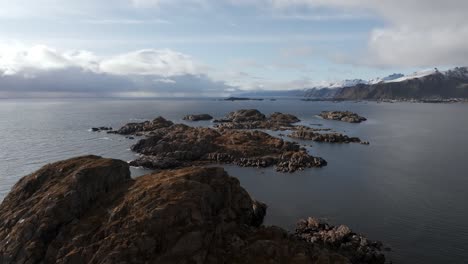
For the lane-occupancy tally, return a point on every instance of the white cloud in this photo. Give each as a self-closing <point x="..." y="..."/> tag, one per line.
<point x="164" y="62"/>
<point x="150" y="62"/>
<point x="31" y="70"/>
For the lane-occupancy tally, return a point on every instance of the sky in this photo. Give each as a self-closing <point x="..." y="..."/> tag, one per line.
<point x="145" y="48"/>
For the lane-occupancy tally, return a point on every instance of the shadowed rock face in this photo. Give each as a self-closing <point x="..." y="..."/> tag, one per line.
<point x="181" y="145"/>
<point x="345" y="116"/>
<point x="88" y="210"/>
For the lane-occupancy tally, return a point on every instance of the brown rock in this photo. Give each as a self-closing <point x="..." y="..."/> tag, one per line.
<point x="88" y="210"/>
<point x="254" y="119"/>
<point x="144" y="127"/>
<point x="182" y="145"/>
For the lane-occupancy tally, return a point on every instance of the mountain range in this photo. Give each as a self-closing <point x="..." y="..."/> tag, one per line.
<point x="428" y="84"/>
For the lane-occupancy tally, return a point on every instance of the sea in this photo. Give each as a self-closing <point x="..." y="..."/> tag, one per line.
<point x="408" y="188"/>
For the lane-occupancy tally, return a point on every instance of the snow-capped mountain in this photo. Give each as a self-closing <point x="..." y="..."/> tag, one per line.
<point x="452" y="83"/>
<point x="385" y="79"/>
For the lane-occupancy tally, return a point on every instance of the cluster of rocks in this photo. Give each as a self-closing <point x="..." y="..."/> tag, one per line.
<point x="345" y="116"/>
<point x="254" y="119"/>
<point x="89" y="210"/>
<point x="198" y="117"/>
<point x="340" y="239"/>
<point x="181" y="145"/>
<point x="311" y="134"/>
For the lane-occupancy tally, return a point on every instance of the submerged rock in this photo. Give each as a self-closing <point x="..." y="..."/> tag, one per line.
<point x="345" y="116"/>
<point x="89" y="210"/>
<point x="199" y="117"/>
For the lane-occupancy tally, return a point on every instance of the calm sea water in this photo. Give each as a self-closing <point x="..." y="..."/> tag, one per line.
<point x="407" y="189"/>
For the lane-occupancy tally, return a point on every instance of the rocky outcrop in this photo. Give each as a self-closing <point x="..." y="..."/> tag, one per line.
<point x="340" y="239"/>
<point x="281" y="118"/>
<point x="345" y="116"/>
<point x="181" y="145"/>
<point x="89" y="210"/>
<point x="199" y="117"/>
<point x="144" y="127"/>
<point x="311" y="134"/>
<point x="254" y="119"/>
<point x="244" y="115"/>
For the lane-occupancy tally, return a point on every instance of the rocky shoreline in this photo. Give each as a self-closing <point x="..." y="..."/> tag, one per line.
<point x="89" y="210"/>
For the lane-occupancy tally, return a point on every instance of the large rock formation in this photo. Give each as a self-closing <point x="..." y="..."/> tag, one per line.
<point x="89" y="210"/>
<point x="181" y="145"/>
<point x="345" y="116"/>
<point x="254" y="119"/>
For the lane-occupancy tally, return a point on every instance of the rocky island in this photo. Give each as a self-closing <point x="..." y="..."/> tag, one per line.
<point x="180" y="146"/>
<point x="143" y="128"/>
<point x="311" y="134"/>
<point x="254" y="119"/>
<point x="89" y="210"/>
<point x="345" y="116"/>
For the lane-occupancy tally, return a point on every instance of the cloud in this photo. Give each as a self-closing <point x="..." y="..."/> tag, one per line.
<point x="45" y="71"/>
<point x="417" y="32"/>
<point x="150" y="62"/>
